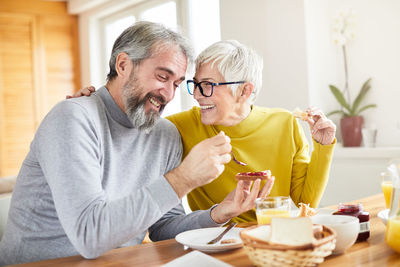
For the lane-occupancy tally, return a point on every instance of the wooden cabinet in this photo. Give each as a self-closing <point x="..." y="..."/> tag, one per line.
<point x="18" y="115"/>
<point x="38" y="67"/>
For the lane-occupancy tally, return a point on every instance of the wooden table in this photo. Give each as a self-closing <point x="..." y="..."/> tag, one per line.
<point x="373" y="252"/>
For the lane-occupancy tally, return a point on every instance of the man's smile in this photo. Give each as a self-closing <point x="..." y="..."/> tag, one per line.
<point x="154" y="101"/>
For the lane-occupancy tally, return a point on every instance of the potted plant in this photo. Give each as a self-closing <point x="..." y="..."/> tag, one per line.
<point x="351" y="122"/>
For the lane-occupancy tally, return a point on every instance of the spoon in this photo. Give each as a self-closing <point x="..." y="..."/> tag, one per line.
<point x="237" y="161"/>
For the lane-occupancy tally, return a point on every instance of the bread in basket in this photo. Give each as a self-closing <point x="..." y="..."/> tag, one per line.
<point x="265" y="253"/>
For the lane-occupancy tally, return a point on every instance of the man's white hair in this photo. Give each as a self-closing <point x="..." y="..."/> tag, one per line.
<point x="236" y="62"/>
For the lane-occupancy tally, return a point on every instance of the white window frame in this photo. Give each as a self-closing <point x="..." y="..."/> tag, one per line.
<point x="136" y="11"/>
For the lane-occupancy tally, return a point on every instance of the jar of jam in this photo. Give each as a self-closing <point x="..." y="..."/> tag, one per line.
<point x="356" y="210"/>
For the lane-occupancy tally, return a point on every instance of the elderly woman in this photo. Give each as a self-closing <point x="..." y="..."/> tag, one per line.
<point x="226" y="84"/>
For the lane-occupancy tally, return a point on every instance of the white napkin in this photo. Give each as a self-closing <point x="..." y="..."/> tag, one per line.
<point x="196" y="259"/>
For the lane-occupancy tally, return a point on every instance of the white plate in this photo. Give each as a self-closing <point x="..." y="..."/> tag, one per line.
<point x="383" y="215"/>
<point x="198" y="238"/>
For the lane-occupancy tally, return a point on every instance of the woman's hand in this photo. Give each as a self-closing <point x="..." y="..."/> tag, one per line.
<point x="241" y="199"/>
<point x="87" y="91"/>
<point x="323" y="130"/>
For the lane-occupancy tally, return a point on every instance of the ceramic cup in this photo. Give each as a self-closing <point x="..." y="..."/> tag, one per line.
<point x="369" y="137"/>
<point x="346" y="228"/>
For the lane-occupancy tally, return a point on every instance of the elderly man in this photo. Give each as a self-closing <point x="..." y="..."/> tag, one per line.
<point x="104" y="169"/>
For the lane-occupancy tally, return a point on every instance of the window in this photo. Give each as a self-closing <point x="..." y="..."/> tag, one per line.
<point x="164" y="12"/>
<point x="112" y="30"/>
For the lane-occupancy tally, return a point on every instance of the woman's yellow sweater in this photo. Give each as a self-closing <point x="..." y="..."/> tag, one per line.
<point x="268" y="138"/>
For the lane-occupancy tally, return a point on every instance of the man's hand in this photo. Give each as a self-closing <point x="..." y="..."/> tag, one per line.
<point x="241" y="199"/>
<point x="322" y="129"/>
<point x="87" y="91"/>
<point x="203" y="164"/>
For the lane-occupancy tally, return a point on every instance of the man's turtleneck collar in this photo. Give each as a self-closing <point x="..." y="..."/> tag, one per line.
<point x="115" y="111"/>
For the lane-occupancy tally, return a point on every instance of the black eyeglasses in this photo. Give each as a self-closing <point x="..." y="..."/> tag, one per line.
<point x="206" y="87"/>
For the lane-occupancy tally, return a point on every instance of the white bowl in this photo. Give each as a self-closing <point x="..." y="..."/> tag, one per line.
<point x="346" y="228"/>
<point x="383" y="215"/>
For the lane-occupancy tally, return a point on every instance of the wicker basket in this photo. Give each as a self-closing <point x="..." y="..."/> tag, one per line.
<point x="263" y="253"/>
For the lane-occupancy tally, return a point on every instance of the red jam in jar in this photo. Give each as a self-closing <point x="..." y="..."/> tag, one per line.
<point x="356" y="210"/>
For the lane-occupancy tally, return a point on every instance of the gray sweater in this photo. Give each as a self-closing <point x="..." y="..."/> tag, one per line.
<point x="92" y="182"/>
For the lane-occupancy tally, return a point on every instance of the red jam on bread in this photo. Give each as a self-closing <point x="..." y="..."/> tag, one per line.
<point x="264" y="175"/>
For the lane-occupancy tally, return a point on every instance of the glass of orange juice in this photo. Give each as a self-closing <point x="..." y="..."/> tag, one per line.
<point x="387" y="187"/>
<point x="269" y="207"/>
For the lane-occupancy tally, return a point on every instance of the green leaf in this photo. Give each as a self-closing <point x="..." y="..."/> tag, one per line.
<point x="366" y="107"/>
<point x="364" y="90"/>
<point x="339" y="97"/>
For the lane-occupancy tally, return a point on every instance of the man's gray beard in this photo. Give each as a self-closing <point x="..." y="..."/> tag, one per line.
<point x="134" y="106"/>
<point x="137" y="114"/>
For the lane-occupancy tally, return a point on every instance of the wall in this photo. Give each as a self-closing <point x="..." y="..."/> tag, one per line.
<point x="355" y="173"/>
<point x="373" y="53"/>
<point x="275" y="29"/>
<point x="300" y="59"/>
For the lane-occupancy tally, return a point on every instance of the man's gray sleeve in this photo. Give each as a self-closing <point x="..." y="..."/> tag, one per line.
<point x="68" y="152"/>
<point x="175" y="222"/>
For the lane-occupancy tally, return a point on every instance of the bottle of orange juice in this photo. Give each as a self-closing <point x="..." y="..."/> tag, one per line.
<point x="392" y="235"/>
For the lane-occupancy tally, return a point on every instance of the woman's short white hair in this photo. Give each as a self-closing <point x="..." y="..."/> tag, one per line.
<point x="236" y="62"/>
